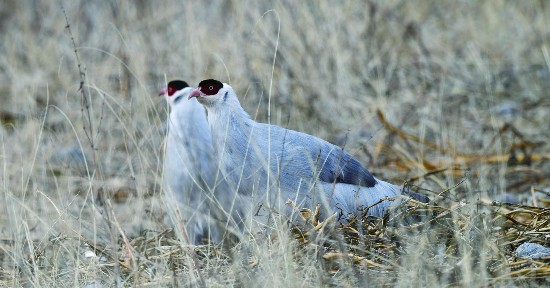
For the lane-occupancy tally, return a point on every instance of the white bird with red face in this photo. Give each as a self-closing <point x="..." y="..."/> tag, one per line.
<point x="189" y="170"/>
<point x="273" y="164"/>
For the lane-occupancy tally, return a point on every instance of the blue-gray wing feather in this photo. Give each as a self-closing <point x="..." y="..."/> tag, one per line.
<point x="300" y="153"/>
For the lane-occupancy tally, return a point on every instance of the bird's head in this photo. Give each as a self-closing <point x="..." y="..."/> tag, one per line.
<point x="212" y="92"/>
<point x="175" y="91"/>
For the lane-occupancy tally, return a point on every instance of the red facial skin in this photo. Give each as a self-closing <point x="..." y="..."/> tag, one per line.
<point x="208" y="87"/>
<point x="171" y="90"/>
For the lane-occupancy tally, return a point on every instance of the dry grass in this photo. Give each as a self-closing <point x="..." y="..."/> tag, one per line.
<point x="449" y="96"/>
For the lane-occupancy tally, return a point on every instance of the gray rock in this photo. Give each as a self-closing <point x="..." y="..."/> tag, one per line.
<point x="70" y="157"/>
<point x="95" y="285"/>
<point x="532" y="251"/>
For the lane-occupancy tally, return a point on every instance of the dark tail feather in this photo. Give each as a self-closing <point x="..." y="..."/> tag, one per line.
<point x="416" y="215"/>
<point x="416" y="196"/>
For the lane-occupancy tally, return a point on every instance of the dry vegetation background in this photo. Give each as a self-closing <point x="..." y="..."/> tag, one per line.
<point x="438" y="93"/>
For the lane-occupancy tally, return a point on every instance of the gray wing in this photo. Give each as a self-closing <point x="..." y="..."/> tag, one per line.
<point x="300" y="153"/>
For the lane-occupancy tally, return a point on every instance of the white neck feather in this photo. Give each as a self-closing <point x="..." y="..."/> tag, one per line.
<point x="227" y="118"/>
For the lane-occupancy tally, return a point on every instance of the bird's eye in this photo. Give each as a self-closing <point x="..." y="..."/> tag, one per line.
<point x="210" y="87"/>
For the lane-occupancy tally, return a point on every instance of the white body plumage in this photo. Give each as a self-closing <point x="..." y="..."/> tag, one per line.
<point x="272" y="164"/>
<point x="188" y="166"/>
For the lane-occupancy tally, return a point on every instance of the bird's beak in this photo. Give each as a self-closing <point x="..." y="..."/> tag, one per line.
<point x="162" y="92"/>
<point x="195" y="93"/>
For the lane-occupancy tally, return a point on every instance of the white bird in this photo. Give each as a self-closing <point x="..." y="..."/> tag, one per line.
<point x="302" y="168"/>
<point x="189" y="170"/>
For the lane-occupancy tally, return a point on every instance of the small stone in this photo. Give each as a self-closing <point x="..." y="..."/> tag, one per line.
<point x="94" y="285"/>
<point x="89" y="254"/>
<point x="508" y="109"/>
<point x="532" y="251"/>
<point x="70" y="157"/>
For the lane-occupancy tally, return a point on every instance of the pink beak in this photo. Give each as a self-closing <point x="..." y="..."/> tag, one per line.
<point x="195" y="93"/>
<point x="162" y="92"/>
